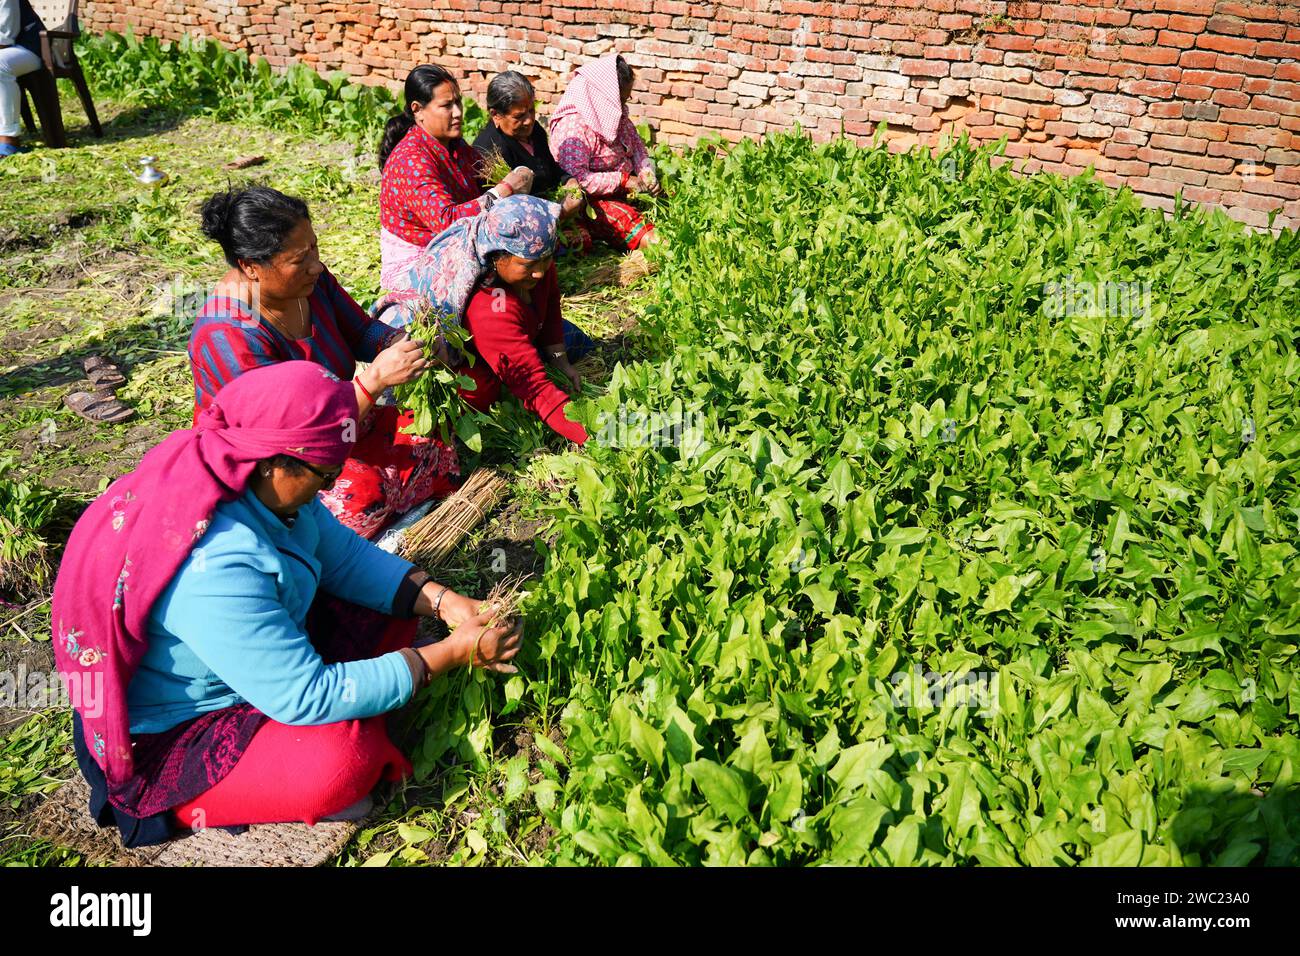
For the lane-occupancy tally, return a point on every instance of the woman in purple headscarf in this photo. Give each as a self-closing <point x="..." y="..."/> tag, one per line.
<point x="227" y="644"/>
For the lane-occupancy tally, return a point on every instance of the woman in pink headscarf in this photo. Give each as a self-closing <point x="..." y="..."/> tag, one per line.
<point x="596" y="143"/>
<point x="228" y="646"/>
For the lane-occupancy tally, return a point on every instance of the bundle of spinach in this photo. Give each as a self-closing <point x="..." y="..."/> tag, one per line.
<point x="434" y="397"/>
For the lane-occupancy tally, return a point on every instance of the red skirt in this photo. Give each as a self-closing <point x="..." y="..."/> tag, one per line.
<point x="390" y="473"/>
<point x="287" y="773"/>
<point x="617" y="223"/>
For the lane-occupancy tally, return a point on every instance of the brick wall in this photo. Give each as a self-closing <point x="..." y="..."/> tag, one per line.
<point x="1197" y="95"/>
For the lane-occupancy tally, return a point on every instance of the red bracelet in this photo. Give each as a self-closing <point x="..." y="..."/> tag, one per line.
<point x="363" y="388"/>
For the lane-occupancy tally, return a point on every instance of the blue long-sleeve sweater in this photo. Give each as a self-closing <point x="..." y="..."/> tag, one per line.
<point x="230" y="626"/>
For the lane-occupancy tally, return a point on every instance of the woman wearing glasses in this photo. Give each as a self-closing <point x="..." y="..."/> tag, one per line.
<point x="279" y="302"/>
<point x="243" y="643"/>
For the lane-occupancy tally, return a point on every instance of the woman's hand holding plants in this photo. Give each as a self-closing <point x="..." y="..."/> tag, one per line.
<point x="401" y="362"/>
<point x="479" y="644"/>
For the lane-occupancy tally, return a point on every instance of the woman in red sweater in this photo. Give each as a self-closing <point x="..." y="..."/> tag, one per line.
<point x="495" y="275"/>
<point x="431" y="176"/>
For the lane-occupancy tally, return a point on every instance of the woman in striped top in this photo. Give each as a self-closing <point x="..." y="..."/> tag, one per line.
<point x="277" y="303"/>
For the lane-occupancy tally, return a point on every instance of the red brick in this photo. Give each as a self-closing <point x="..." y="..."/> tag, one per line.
<point x="1198" y="60"/>
<point x="1163" y="74"/>
<point x="1186" y="24"/>
<point x="1147" y="88"/>
<point x="1059" y="128"/>
<point x="1236" y="64"/>
<point x="1131" y="137"/>
<point x="1182" y="144"/>
<point x="1252" y="200"/>
<point x="1003" y="41"/>
<point x="1231" y="98"/>
<point x="1264" y="187"/>
<point x="1150" y="185"/>
<point x="1240" y="46"/>
<point x="1192" y="177"/>
<point x="947" y="53"/>
<point x="1211" y="79"/>
<point x="1212" y="131"/>
<point x="1202" y="195"/>
<point x="994" y="132"/>
<point x="1234" y="26"/>
<point x="1120" y="151"/>
<point x="1104" y="84"/>
<point x="1266" y="31"/>
<point x="1132" y="168"/>
<point x="1209" y="164"/>
<point x="1253" y="117"/>
<point x="1190" y="92"/>
<point x="1236" y="151"/>
<point x="1185" y="6"/>
<point x="924" y="68"/>
<point x="1134" y="36"/>
<point x="1180" y="40"/>
<point x="1259" y="136"/>
<point x="1289" y="51"/>
<point x="1289" y="107"/>
<point x="1160" y="20"/>
<point x="1150" y="54"/>
<point x="1157" y="157"/>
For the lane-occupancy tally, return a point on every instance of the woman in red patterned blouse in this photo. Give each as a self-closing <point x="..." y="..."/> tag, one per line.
<point x="431" y="175"/>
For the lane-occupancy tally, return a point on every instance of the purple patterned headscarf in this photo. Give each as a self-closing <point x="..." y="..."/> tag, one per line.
<point x="449" y="268"/>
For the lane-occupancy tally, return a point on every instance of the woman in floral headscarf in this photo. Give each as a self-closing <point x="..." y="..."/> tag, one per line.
<point x="495" y="274"/>
<point x="206" y="598"/>
<point x="596" y="143"/>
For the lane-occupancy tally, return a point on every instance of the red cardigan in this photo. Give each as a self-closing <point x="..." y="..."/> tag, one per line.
<point x="506" y="335"/>
<point x="427" y="186"/>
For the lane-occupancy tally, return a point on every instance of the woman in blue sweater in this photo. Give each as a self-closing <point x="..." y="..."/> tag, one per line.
<point x="243" y="643"/>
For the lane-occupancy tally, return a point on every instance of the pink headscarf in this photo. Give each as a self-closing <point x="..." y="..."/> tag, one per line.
<point x="131" y="541"/>
<point x="593" y="96"/>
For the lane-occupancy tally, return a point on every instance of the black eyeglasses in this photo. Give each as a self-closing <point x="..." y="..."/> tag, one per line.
<point x="327" y="477"/>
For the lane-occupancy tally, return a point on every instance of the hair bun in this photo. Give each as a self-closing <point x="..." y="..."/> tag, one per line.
<point x="216" y="216"/>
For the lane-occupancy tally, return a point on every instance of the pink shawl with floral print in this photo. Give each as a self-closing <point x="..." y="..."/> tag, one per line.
<point x="131" y="541"/>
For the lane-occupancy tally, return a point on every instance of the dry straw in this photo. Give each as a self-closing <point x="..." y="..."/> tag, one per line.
<point x="430" y="540"/>
<point x="627" y="270"/>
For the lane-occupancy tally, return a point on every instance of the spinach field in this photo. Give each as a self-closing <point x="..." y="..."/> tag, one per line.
<point x="956" y="525"/>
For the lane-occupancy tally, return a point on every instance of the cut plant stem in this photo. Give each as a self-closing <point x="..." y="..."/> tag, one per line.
<point x="504" y="599"/>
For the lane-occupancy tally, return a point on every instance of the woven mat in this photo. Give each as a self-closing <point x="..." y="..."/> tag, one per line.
<point x="64" y="820"/>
